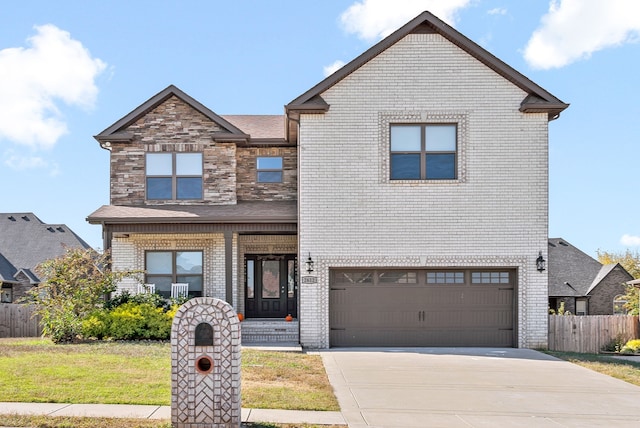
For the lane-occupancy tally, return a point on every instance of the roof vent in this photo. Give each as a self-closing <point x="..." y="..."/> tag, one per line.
<point x="12" y="218"/>
<point x="50" y="229"/>
<point x="59" y="229"/>
<point x="552" y="244"/>
<point x="25" y="218"/>
<point x="563" y="243"/>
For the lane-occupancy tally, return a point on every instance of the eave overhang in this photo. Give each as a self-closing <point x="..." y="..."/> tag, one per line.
<point x="429" y="23"/>
<point x="117" y="133"/>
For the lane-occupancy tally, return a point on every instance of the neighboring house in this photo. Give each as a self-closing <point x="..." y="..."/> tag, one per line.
<point x="414" y="178"/>
<point x="586" y="286"/>
<point x="25" y="242"/>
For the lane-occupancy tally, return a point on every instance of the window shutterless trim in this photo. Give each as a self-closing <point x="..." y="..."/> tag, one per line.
<point x="278" y="170"/>
<point x="174" y="177"/>
<point x="423" y="152"/>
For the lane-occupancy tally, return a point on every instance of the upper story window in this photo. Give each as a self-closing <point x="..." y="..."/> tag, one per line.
<point x="269" y="169"/>
<point x="423" y="152"/>
<point x="174" y="176"/>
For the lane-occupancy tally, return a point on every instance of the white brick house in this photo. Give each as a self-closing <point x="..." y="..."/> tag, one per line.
<point x="421" y="174"/>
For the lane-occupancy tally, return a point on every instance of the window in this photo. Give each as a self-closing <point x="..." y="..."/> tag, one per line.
<point x="398" y="277"/>
<point x="167" y="267"/>
<point x="423" y="152"/>
<point x="269" y="169"/>
<point x="174" y="176"/>
<point x="490" y="278"/>
<point x="581" y="307"/>
<point x="445" y="277"/>
<point x="619" y="305"/>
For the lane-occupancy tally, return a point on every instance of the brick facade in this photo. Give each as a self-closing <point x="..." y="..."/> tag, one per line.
<point x="601" y="300"/>
<point x="493" y="214"/>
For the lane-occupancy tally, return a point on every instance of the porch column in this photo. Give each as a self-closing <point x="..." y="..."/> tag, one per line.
<point x="228" y="266"/>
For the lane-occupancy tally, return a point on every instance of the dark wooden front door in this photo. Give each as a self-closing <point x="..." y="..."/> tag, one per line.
<point x="270" y="286"/>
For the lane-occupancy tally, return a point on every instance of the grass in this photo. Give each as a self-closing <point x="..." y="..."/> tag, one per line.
<point x="36" y="370"/>
<point x="79" y="422"/>
<point x="628" y="371"/>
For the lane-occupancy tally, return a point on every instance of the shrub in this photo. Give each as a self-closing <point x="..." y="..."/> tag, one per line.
<point x="130" y="321"/>
<point x="631" y="347"/>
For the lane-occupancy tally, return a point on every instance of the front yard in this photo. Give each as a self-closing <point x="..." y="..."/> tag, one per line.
<point x="36" y="370"/>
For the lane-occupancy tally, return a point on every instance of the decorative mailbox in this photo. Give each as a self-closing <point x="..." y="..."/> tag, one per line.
<point x="205" y="365"/>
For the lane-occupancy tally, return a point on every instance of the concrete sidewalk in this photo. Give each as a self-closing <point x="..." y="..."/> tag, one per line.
<point x="164" y="412"/>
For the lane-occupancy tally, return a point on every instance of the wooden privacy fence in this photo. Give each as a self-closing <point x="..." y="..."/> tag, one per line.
<point x="590" y="334"/>
<point x="17" y="321"/>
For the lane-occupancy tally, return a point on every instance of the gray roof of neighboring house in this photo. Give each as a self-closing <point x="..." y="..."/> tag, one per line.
<point x="572" y="273"/>
<point x="25" y="242"/>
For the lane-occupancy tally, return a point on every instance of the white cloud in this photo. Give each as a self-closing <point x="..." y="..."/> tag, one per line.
<point x="630" y="240"/>
<point x="574" y="29"/>
<point x="332" y="68"/>
<point x="375" y="19"/>
<point x="35" y="80"/>
<point x="21" y="163"/>
<point x="497" y="11"/>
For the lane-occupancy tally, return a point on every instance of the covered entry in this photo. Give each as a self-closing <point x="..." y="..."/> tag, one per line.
<point x="270" y="286"/>
<point x="445" y="307"/>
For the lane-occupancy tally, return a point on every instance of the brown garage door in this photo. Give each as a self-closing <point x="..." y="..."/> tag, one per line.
<point x="463" y="307"/>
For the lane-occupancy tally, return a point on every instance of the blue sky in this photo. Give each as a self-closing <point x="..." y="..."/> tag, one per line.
<point x="69" y="69"/>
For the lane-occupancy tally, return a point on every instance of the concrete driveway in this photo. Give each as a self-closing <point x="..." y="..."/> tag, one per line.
<point x="475" y="387"/>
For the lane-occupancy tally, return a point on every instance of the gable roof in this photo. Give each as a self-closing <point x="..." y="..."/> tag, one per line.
<point x="537" y="100"/>
<point x="574" y="273"/>
<point x="26" y="241"/>
<point x="116" y="132"/>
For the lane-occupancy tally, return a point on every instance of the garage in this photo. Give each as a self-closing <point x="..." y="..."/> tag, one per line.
<point x="422" y="307"/>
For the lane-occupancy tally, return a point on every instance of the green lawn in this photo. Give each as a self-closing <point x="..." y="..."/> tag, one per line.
<point x="628" y="371"/>
<point x="36" y="370"/>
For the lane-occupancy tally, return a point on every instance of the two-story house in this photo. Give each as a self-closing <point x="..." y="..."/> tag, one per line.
<point x="415" y="179"/>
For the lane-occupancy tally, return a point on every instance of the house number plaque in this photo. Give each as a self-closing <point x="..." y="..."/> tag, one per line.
<point x="309" y="279"/>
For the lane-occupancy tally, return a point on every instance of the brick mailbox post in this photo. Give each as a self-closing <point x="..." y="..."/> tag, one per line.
<point x="205" y="365"/>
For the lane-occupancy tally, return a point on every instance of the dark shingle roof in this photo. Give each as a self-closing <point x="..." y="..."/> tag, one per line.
<point x="25" y="242"/>
<point x="571" y="271"/>
<point x="242" y="212"/>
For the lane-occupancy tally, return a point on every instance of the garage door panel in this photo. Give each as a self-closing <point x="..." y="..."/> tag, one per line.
<point x="378" y="314"/>
<point x="407" y="338"/>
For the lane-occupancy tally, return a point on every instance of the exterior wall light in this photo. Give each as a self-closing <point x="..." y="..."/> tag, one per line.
<point x="540" y="262"/>
<point x="309" y="264"/>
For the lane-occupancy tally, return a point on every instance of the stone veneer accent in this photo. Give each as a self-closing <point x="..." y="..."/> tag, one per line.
<point x="494" y="214"/>
<point x="173" y="126"/>
<point x="205" y="399"/>
<point x="249" y="189"/>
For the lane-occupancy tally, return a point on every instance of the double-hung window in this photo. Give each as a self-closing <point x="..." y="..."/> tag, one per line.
<point x="174" y="176"/>
<point x="423" y="152"/>
<point x="167" y="267"/>
<point x="269" y="169"/>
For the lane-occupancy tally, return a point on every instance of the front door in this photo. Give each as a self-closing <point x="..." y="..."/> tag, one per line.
<point x="270" y="286"/>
